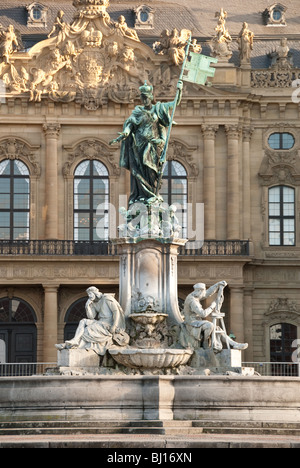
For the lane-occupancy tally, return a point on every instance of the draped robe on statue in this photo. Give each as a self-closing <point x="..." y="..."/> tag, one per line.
<point x="141" y="151"/>
<point x="104" y="326"/>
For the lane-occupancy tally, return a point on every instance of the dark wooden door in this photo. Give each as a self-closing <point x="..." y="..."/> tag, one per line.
<point x="20" y="341"/>
<point x="282" y="336"/>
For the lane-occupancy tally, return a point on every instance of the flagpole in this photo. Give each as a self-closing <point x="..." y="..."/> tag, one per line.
<point x="163" y="156"/>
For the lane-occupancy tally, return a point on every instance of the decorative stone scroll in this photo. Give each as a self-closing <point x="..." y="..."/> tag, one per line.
<point x="280" y="167"/>
<point x="283" y="304"/>
<point x="16" y="148"/>
<point x="90" y="148"/>
<point x="281" y="310"/>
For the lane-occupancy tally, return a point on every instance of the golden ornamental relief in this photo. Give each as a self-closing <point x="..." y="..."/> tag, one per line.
<point x="90" y="61"/>
<point x="173" y="45"/>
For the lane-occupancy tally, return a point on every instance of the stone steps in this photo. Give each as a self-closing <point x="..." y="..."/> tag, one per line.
<point x="249" y="424"/>
<point x="83" y="423"/>
<point x="251" y="431"/>
<point x="157" y="427"/>
<point x="80" y="431"/>
<point x="87" y="427"/>
<point x="248" y="427"/>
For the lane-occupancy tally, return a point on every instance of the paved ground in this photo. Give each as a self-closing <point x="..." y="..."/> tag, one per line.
<point x="175" y="444"/>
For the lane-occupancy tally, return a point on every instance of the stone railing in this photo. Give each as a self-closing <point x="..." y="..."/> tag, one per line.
<point x="56" y="247"/>
<point x="109" y="248"/>
<point x="274" y="78"/>
<point x="219" y="248"/>
<point x="265" y="369"/>
<point x="23" y="369"/>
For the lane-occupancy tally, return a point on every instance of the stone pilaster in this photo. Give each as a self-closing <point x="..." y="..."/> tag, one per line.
<point x="248" y="325"/>
<point x="233" y="202"/>
<point x="237" y="313"/>
<point x="209" y="180"/>
<point x="51" y="174"/>
<point x="50" y="323"/>
<point x="247" y="132"/>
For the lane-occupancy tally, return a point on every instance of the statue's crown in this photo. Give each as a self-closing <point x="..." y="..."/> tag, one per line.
<point x="146" y="89"/>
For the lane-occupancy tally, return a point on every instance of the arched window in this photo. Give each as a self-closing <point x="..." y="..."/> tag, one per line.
<point x="15" y="310"/>
<point x="14" y="200"/>
<point x="18" y="330"/>
<point x="36" y="13"/>
<point x="282" y="336"/>
<point x="91" y="201"/>
<point x="75" y="313"/>
<point x="281" y="141"/>
<point x="282" y="216"/>
<point x="174" y="191"/>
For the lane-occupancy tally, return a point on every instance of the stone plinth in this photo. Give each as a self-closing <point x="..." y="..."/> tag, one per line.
<point x="226" y="73"/>
<point x="150" y="266"/>
<point x="77" y="358"/>
<point x="226" y="360"/>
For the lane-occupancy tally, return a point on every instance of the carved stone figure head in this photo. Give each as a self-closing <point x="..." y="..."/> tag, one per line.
<point x="199" y="290"/>
<point x="94" y="293"/>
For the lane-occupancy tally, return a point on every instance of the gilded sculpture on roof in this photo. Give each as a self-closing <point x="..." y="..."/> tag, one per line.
<point x="10" y="42"/>
<point x="91" y="61"/>
<point x="245" y="44"/>
<point x="173" y="45"/>
<point x="220" y="43"/>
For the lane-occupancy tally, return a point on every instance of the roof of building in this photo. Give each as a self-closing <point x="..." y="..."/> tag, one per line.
<point x="196" y="15"/>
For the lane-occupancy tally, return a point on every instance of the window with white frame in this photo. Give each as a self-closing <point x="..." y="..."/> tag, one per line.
<point x="282" y="229"/>
<point x="37" y="15"/>
<point x="14" y="200"/>
<point x="91" y="201"/>
<point x="174" y="191"/>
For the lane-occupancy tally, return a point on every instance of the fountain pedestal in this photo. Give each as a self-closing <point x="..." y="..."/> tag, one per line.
<point x="148" y="271"/>
<point x="149" y="299"/>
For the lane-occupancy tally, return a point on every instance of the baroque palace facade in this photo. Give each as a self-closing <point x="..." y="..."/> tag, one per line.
<point x="70" y="73"/>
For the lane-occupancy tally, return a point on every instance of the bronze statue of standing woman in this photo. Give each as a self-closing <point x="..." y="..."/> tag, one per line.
<point x="143" y="140"/>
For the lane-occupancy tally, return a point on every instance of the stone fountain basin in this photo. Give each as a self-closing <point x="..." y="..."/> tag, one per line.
<point x="151" y="358"/>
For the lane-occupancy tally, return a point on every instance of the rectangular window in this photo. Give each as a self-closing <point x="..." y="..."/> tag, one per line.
<point x="282" y="230"/>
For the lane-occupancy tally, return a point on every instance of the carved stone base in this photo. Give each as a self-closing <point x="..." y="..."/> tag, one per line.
<point x="227" y="360"/>
<point x="77" y="358"/>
